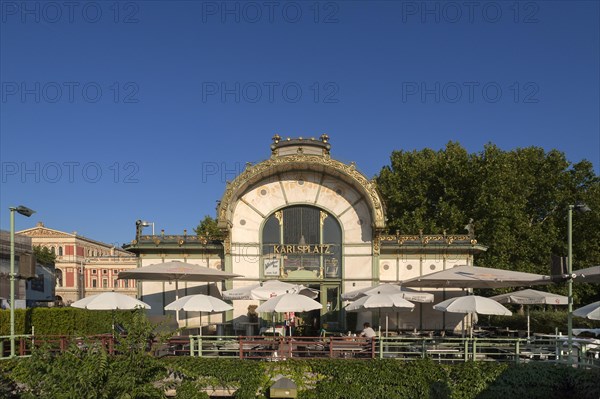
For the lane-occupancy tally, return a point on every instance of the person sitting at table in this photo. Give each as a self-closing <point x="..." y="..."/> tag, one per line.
<point x="367" y="331"/>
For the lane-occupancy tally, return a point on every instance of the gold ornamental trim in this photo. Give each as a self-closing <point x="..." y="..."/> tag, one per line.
<point x="322" y="217"/>
<point x="279" y="217"/>
<point x="254" y="173"/>
<point x="426" y="239"/>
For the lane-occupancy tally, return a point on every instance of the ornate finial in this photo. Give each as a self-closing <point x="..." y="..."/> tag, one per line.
<point x="324" y="138"/>
<point x="162" y="232"/>
<point x="470" y="228"/>
<point x="420" y="232"/>
<point x="184" y="232"/>
<point x="276" y="138"/>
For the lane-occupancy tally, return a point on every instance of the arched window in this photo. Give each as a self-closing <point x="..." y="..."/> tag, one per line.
<point x="302" y="241"/>
<point x="60" y="251"/>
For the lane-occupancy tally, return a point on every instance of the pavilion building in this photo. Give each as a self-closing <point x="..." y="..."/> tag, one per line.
<point x="303" y="217"/>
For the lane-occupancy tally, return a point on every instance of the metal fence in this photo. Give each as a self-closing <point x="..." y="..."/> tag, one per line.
<point x="275" y="348"/>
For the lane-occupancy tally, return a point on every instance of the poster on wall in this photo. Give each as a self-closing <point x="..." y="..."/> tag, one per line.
<point x="271" y="267"/>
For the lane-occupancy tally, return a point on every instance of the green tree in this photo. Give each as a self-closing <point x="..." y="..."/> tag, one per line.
<point x="208" y="229"/>
<point x="518" y="200"/>
<point x="88" y="371"/>
<point x="44" y="256"/>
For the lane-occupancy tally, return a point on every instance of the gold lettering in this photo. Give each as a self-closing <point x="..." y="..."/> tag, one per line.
<point x="316" y="249"/>
<point x="290" y="249"/>
<point x="327" y="249"/>
<point x="276" y="249"/>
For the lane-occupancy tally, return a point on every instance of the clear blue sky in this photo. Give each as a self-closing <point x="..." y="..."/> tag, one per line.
<point x="117" y="111"/>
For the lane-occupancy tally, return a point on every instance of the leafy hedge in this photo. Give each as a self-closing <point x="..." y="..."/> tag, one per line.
<point x="95" y="375"/>
<point x="62" y="321"/>
<point x="92" y="373"/>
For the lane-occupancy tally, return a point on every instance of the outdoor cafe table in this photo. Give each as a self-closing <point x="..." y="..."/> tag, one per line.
<point x="349" y="346"/>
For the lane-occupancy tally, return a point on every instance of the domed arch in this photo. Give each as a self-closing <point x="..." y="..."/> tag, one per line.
<point x="301" y="162"/>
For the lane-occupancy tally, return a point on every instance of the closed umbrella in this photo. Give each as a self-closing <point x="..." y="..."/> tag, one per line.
<point x="472" y="304"/>
<point x="199" y="303"/>
<point x="288" y="303"/>
<point x="386" y="302"/>
<point x="531" y="297"/>
<point x="591" y="311"/>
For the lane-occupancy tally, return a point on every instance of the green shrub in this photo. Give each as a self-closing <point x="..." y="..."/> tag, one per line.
<point x="62" y="321"/>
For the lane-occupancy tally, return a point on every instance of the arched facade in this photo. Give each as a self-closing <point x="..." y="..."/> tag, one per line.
<point x="302" y="217"/>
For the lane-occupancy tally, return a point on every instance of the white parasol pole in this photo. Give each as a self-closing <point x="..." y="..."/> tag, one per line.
<point x="200" y="326"/>
<point x="386" y="324"/>
<point x="528" y="323"/>
<point x="471" y="325"/>
<point x="273" y="321"/>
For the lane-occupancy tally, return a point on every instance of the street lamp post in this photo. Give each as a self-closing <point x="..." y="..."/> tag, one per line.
<point x="25" y="212"/>
<point x="581" y="208"/>
<point x="146" y="224"/>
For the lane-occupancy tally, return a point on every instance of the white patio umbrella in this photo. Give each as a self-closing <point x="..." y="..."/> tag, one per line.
<point x="477" y="277"/>
<point x="110" y="301"/>
<point x="591" y="311"/>
<point x="267" y="290"/>
<point x="288" y="303"/>
<point x="470" y="304"/>
<point x="386" y="302"/>
<point x="176" y="271"/>
<point x="531" y="297"/>
<point x="406" y="293"/>
<point x="587" y="275"/>
<point x="199" y="303"/>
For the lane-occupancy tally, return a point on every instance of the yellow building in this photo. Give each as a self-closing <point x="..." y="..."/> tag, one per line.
<point x="84" y="266"/>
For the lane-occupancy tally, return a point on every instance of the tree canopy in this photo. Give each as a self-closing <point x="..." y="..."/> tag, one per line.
<point x="518" y="199"/>
<point x="43" y="255"/>
<point x="208" y="229"/>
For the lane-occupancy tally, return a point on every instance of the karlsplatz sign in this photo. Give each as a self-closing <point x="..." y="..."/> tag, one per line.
<point x="321" y="249"/>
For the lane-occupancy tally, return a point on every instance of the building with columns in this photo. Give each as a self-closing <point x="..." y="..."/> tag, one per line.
<point x="84" y="266"/>
<point x="303" y="217"/>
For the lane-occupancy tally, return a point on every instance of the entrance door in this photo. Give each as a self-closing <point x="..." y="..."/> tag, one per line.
<point x="330" y="316"/>
<point x="332" y="312"/>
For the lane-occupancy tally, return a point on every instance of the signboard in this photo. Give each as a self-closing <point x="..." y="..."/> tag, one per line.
<point x="271" y="267"/>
